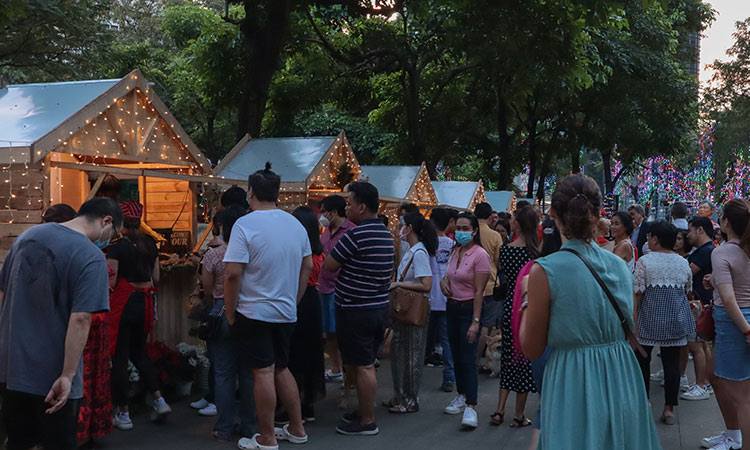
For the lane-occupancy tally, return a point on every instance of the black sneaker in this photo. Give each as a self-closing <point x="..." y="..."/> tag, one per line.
<point x="308" y="413"/>
<point x="357" y="429"/>
<point x="448" y="386"/>
<point x="350" y="417"/>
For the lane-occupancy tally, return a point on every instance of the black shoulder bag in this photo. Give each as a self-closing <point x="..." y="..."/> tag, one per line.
<point x="623" y="321"/>
<point x="500" y="290"/>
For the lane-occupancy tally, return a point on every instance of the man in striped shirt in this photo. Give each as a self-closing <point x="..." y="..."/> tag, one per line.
<point x="365" y="256"/>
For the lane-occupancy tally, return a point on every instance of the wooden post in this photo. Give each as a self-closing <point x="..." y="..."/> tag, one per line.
<point x="97" y="185"/>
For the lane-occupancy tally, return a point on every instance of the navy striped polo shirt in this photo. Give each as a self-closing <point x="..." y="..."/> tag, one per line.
<point x="366" y="254"/>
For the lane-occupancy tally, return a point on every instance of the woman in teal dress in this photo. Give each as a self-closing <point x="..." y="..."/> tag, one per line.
<point x="593" y="395"/>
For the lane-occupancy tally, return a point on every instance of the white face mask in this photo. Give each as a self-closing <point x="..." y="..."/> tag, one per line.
<point x="324" y="222"/>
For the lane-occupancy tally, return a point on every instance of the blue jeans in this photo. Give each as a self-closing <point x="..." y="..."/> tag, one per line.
<point x="439" y="333"/>
<point x="459" y="318"/>
<point x="229" y="366"/>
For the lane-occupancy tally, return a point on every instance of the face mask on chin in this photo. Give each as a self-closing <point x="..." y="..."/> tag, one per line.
<point x="102" y="244"/>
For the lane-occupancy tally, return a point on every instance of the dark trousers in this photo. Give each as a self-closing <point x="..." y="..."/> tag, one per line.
<point x="131" y="346"/>
<point x="459" y="318"/>
<point x="670" y="359"/>
<point x="28" y="425"/>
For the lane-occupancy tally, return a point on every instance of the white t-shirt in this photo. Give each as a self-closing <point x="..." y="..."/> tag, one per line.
<point x="271" y="244"/>
<point x="439" y="265"/>
<point x="420" y="267"/>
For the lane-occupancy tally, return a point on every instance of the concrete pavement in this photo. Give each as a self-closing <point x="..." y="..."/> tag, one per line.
<point x="430" y="428"/>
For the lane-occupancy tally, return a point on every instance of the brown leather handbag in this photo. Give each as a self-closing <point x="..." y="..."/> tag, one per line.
<point x="409" y="307"/>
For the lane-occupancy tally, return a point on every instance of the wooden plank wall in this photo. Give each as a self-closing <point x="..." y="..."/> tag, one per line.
<point x="21" y="202"/>
<point x="164" y="200"/>
<point x="173" y="326"/>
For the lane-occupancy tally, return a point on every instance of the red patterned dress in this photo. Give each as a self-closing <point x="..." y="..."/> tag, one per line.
<point x="95" y="413"/>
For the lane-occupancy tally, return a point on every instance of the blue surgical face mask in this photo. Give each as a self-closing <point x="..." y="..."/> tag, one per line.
<point x="463" y="237"/>
<point x="102" y="244"/>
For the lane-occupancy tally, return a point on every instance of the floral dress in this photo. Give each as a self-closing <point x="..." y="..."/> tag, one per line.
<point x="515" y="374"/>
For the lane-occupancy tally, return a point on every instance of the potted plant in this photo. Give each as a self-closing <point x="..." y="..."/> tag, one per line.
<point x="191" y="359"/>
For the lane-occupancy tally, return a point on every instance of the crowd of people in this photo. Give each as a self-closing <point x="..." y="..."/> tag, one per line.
<point x="577" y="297"/>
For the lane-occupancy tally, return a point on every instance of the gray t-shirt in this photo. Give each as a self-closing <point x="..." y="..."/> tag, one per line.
<point x="50" y="272"/>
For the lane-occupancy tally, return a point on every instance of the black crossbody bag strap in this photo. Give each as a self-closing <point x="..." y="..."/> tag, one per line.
<point x="623" y="320"/>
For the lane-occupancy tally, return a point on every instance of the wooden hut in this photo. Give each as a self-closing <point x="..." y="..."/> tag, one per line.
<point x="310" y="168"/>
<point x="464" y="195"/>
<point x="59" y="141"/>
<point x="399" y="184"/>
<point x="501" y="201"/>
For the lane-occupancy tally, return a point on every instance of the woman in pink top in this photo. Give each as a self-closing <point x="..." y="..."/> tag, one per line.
<point x="463" y="285"/>
<point x="731" y="282"/>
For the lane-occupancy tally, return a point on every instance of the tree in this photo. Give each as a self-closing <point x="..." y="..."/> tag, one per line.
<point x="52" y="40"/>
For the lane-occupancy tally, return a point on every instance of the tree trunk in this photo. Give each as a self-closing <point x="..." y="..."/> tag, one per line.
<point x="266" y="29"/>
<point x="543" y="176"/>
<point x="575" y="163"/>
<point x="415" y="142"/>
<point x="607" y="168"/>
<point x="504" y="178"/>
<point x="532" y="158"/>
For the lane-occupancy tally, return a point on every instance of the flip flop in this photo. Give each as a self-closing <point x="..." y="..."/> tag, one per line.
<point x="521" y="422"/>
<point x="283" y="434"/>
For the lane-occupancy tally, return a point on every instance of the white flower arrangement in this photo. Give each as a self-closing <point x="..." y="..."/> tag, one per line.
<point x="193" y="354"/>
<point x="133" y="375"/>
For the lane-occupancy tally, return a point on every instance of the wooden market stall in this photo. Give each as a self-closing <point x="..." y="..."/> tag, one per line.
<point x="501" y="201"/>
<point x="310" y="168"/>
<point x="399" y="184"/>
<point x="60" y="141"/>
<point x="464" y="195"/>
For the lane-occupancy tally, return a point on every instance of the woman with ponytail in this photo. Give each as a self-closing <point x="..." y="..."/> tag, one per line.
<point x="409" y="342"/>
<point x="515" y="375"/>
<point x="731" y="312"/>
<point x="593" y="389"/>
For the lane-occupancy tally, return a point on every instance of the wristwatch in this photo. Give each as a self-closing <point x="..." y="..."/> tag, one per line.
<point x="476" y="319"/>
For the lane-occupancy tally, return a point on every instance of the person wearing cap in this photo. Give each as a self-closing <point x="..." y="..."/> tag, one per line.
<point x="135" y="262"/>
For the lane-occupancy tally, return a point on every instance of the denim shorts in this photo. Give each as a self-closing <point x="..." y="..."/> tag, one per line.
<point x="731" y="348"/>
<point x="328" y="312"/>
<point x="492" y="312"/>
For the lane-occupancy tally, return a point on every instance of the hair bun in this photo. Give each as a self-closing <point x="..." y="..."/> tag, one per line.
<point x="268" y="166"/>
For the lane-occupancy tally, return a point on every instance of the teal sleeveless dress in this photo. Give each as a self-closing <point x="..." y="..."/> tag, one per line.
<point x="593" y="395"/>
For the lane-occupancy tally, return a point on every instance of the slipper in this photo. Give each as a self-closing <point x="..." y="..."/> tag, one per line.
<point x="669" y="420"/>
<point x="390" y="403"/>
<point x="521" y="422"/>
<point x="252" y="444"/>
<point x="497" y="419"/>
<point x="216" y="436"/>
<point x="403" y="409"/>
<point x="283" y="434"/>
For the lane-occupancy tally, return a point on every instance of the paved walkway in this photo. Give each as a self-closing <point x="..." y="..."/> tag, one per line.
<point x="428" y="429"/>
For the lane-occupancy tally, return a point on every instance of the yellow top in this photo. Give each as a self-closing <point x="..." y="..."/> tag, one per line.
<point x="491" y="243"/>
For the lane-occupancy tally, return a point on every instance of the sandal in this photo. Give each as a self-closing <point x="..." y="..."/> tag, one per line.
<point x="521" y="422"/>
<point x="216" y="436"/>
<point x="403" y="409"/>
<point x="390" y="403"/>
<point x="497" y="419"/>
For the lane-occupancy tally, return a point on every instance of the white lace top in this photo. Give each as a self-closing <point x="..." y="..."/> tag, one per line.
<point x="658" y="269"/>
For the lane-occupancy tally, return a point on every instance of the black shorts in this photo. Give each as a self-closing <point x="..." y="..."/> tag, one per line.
<point x="262" y="344"/>
<point x="360" y="334"/>
<point x="27" y="424"/>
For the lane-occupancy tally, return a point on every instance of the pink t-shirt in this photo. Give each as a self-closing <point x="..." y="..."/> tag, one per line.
<point x="461" y="277"/>
<point x="327" y="280"/>
<point x="731" y="265"/>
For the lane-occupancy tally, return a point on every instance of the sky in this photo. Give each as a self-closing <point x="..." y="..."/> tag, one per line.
<point x="718" y="38"/>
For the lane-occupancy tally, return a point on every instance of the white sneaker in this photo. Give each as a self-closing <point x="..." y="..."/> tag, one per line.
<point x="658" y="376"/>
<point x="122" y="421"/>
<point x="684" y="385"/>
<point x="209" y="410"/>
<point x="161" y="407"/>
<point x="456" y="406"/>
<point x="695" y="393"/>
<point x="727" y="444"/>
<point x="713" y="440"/>
<point x="200" y="404"/>
<point x="470" y="418"/>
<point x="709" y="389"/>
